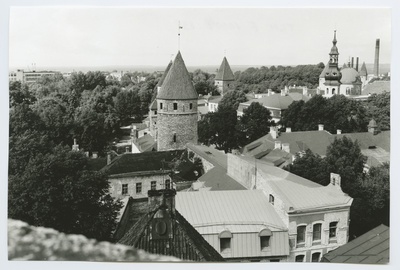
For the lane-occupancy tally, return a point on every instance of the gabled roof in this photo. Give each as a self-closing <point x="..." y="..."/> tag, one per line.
<point x="161" y="81"/>
<point x="376" y="87"/>
<point x="232" y="207"/>
<point x="369" y="248"/>
<point x="224" y="72"/>
<point x="141" y="162"/>
<point x="177" y="84"/>
<point x="186" y="243"/>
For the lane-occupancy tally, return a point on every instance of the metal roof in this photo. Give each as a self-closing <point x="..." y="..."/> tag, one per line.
<point x="225" y="208"/>
<point x="369" y="248"/>
<point x="217" y="179"/>
<point x="212" y="155"/>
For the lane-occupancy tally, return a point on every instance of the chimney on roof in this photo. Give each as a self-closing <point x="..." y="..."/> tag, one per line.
<point x="335" y="180"/>
<point x="320" y="127"/>
<point x="357" y="64"/>
<point x="376" y="64"/>
<point x="339" y="131"/>
<point x="283" y="91"/>
<point x="278" y="145"/>
<point x="352" y="62"/>
<point x="288" y="129"/>
<point x="269" y="92"/>
<point x="75" y="147"/>
<point x="286" y="147"/>
<point x="305" y="91"/>
<point x="162" y="197"/>
<point x="274" y="132"/>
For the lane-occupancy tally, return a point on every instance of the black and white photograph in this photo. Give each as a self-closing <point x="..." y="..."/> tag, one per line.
<point x="226" y="135"/>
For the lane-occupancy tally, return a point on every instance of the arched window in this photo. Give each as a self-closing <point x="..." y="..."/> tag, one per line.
<point x="265" y="236"/>
<point x="315" y="256"/>
<point x="225" y="241"/>
<point x="299" y="258"/>
<point x="333" y="91"/>
<point x="271" y="199"/>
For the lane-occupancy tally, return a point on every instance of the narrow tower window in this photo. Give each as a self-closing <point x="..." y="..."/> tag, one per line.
<point x="174" y="137"/>
<point x="191" y="106"/>
<point x="175" y="106"/>
<point x="161" y="105"/>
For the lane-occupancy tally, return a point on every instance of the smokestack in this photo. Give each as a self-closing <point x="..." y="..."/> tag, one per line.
<point x="352" y="62"/>
<point x="357" y="64"/>
<point x="376" y="65"/>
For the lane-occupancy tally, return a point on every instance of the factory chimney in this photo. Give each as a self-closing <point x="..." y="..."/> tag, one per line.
<point x="357" y="64"/>
<point x="352" y="62"/>
<point x="376" y="64"/>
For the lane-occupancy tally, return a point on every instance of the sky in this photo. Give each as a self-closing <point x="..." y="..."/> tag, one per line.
<point x="61" y="36"/>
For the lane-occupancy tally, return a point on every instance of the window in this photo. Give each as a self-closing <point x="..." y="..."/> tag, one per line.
<point x="174" y="137"/>
<point x="124" y="189"/>
<point x="271" y="199"/>
<point x="264" y="242"/>
<point x="167" y="184"/>
<point x="175" y="106"/>
<point x="225" y="244"/>
<point x="332" y="229"/>
<point x="161" y="105"/>
<point x="317" y="232"/>
<point x="153" y="185"/>
<point x="155" y="112"/>
<point x="301" y="234"/>
<point x="138" y="188"/>
<point x="225" y="241"/>
<point x="191" y="106"/>
<point x="315" y="257"/>
<point x="333" y="91"/>
<point x="299" y="258"/>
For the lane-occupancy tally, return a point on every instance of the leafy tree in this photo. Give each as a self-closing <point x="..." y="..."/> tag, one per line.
<point x="56" y="190"/>
<point x="378" y="108"/>
<point x="310" y="166"/>
<point x="127" y="105"/>
<point x="205" y="88"/>
<point x="232" y="99"/>
<point x="344" y="157"/>
<point x="220" y="128"/>
<point x="254" y="123"/>
<point x="19" y="93"/>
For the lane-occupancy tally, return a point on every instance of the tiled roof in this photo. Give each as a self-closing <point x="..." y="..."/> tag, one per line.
<point x="177" y="84"/>
<point x="186" y="243"/>
<point x="368" y="140"/>
<point x="161" y="81"/>
<point x="322" y="75"/>
<point x="232" y="207"/>
<point x="217" y="179"/>
<point x="376" y="87"/>
<point x="140" y="162"/>
<point x="276" y="101"/>
<point x="225" y="72"/>
<point x="215" y="99"/>
<point x="369" y="248"/>
<point x="299" y="96"/>
<point x="214" y="156"/>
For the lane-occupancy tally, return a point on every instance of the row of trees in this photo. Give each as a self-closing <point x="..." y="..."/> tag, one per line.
<point x="370" y="190"/>
<point x="226" y="131"/>
<point x="338" y="112"/>
<point x="258" y="80"/>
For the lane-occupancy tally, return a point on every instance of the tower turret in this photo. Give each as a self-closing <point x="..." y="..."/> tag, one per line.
<point x="176" y="109"/>
<point x="332" y="74"/>
<point x="224" y="79"/>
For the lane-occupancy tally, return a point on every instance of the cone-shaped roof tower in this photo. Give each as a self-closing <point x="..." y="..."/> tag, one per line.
<point x="177" y="84"/>
<point x="363" y="71"/>
<point x="160" y="82"/>
<point x="225" y="72"/>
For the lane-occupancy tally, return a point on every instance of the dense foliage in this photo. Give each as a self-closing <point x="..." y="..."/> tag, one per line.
<point x="337" y="112"/>
<point x="378" y="108"/>
<point x="232" y="99"/>
<point x="258" y="80"/>
<point x="370" y="190"/>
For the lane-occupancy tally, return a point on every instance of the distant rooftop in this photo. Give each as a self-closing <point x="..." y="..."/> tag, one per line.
<point x="214" y="156"/>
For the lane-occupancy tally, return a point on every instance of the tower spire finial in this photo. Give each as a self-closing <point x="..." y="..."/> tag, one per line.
<point x="179" y="35"/>
<point x="334" y="38"/>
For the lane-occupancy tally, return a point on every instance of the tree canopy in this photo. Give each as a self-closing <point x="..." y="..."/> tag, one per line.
<point x="232" y="99"/>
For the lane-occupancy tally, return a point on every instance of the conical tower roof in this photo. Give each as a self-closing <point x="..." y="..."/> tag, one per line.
<point x="225" y="72"/>
<point x="160" y="82"/>
<point x="363" y="71"/>
<point x="177" y="84"/>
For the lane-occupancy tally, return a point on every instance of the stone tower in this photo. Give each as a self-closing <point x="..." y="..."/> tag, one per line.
<point x="224" y="79"/>
<point x="176" y="109"/>
<point x="332" y="74"/>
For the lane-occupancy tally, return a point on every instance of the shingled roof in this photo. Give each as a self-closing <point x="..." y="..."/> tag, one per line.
<point x="161" y="81"/>
<point x="369" y="248"/>
<point x="177" y="84"/>
<point x="185" y="242"/>
<point x="225" y="72"/>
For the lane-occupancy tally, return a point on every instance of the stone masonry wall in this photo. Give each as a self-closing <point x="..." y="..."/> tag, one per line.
<point x="182" y="122"/>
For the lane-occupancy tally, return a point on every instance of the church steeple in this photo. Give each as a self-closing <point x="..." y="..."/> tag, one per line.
<point x="334" y="54"/>
<point x="333" y="75"/>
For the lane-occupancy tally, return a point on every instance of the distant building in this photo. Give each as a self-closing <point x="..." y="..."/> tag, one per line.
<point x="28" y="76"/>
<point x="275" y="103"/>
<point x="240" y="225"/>
<point x="176" y="109"/>
<point x="369" y="248"/>
<point x="224" y="79"/>
<point x="163" y="230"/>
